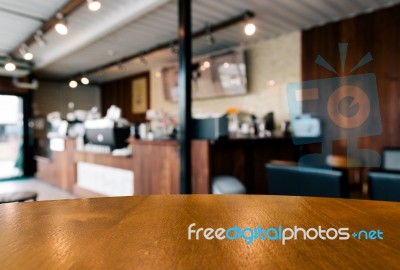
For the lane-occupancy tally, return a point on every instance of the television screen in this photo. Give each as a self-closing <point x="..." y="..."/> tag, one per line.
<point x="212" y="76"/>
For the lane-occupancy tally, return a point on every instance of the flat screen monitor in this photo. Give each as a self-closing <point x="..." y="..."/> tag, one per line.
<point x="391" y="159"/>
<point x="212" y="76"/>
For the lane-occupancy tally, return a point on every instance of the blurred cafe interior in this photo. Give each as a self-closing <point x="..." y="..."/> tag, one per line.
<point x="109" y="98"/>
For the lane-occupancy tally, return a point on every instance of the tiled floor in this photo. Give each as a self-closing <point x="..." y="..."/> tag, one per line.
<point x="45" y="191"/>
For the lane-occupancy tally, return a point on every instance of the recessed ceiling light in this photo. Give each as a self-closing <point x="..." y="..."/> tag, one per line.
<point x="206" y="64"/>
<point x="250" y="29"/>
<point x="94" y="5"/>
<point x="73" y="84"/>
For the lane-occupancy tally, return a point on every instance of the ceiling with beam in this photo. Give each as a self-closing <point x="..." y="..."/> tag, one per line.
<point x="125" y="27"/>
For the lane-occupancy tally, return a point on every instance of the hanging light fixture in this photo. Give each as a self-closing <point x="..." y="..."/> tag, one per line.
<point x="210" y="38"/>
<point x="139" y="57"/>
<point x="26" y="54"/>
<point x="94" y="5"/>
<point x="173" y="48"/>
<point x="143" y="61"/>
<point x="121" y="66"/>
<point x="249" y="28"/>
<point x="61" y="25"/>
<point x="40" y="39"/>
<point x="9" y="65"/>
<point x="85" y="80"/>
<point x="73" y="84"/>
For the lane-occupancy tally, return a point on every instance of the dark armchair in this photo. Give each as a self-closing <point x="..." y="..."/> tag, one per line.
<point x="305" y="181"/>
<point x="384" y="185"/>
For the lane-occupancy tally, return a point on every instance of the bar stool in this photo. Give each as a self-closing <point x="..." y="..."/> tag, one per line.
<point x="226" y="184"/>
<point x="18" y="197"/>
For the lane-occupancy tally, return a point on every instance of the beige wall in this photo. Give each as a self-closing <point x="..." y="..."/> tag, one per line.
<point x="50" y="97"/>
<point x="277" y="59"/>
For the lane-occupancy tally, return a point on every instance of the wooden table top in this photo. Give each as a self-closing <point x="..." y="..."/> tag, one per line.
<point x="151" y="232"/>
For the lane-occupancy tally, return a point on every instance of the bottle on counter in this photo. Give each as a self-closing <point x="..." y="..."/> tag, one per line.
<point x="143" y="131"/>
<point x="254" y="126"/>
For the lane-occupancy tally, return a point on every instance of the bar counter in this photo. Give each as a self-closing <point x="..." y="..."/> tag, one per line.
<point x="155" y="165"/>
<point x="151" y="232"/>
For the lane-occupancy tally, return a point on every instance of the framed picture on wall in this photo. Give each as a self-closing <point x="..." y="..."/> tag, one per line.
<point x="140" y="95"/>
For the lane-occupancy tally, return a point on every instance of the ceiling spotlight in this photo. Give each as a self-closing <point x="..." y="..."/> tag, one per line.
<point x="26" y="54"/>
<point x="73" y="84"/>
<point x="85" y="80"/>
<point x="143" y="61"/>
<point x="40" y="39"/>
<point x="250" y="29"/>
<point x="9" y="65"/>
<point x="121" y="66"/>
<point x="206" y="64"/>
<point x="173" y="48"/>
<point x="61" y="26"/>
<point x="94" y="5"/>
<point x="210" y="38"/>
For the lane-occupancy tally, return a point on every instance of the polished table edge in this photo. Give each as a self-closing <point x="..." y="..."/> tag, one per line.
<point x="238" y="196"/>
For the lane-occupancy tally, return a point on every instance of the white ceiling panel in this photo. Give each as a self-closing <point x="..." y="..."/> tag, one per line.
<point x="19" y="19"/>
<point x="38" y="8"/>
<point x="128" y="27"/>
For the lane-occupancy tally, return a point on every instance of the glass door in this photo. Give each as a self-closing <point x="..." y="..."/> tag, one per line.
<point x="11" y="137"/>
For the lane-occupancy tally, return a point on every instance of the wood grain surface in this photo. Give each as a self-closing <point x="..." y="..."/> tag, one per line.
<point x="150" y="232"/>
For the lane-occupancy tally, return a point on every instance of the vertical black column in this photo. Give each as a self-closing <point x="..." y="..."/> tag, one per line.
<point x="185" y="94"/>
<point x="28" y="146"/>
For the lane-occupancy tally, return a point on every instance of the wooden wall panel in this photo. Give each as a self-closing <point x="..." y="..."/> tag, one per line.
<point x="119" y="93"/>
<point x="201" y="167"/>
<point x="8" y="88"/>
<point x="377" y="33"/>
<point x="245" y="159"/>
